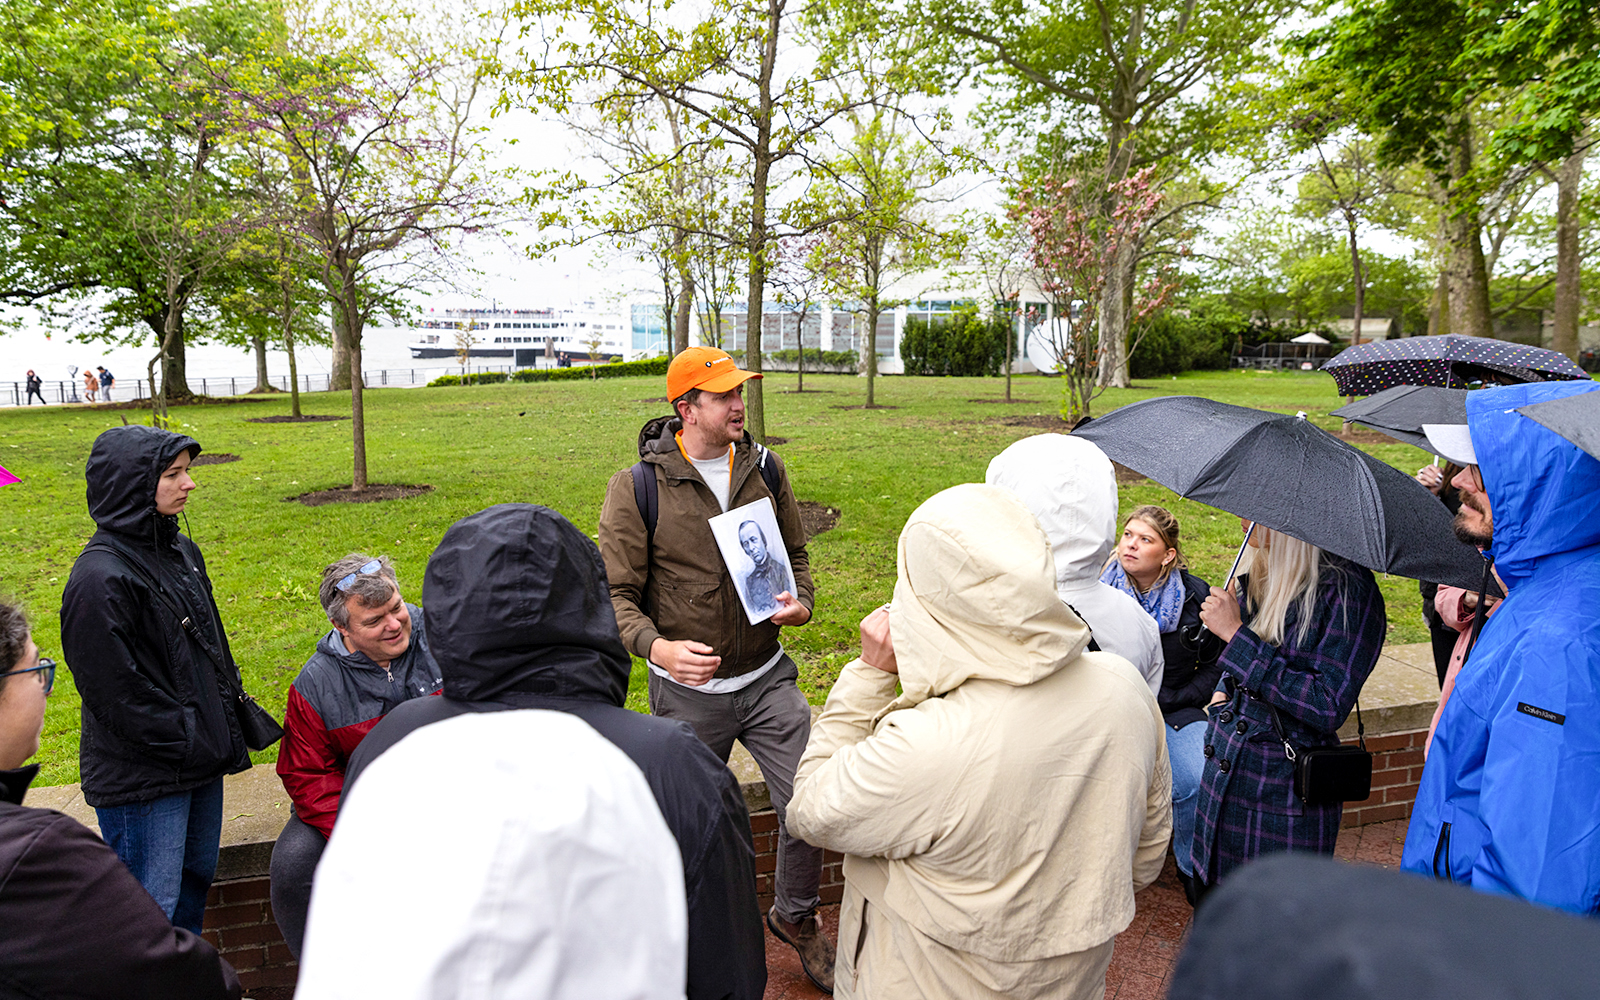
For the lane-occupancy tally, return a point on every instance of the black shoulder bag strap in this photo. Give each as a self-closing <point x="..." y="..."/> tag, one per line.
<point x="256" y="725"/>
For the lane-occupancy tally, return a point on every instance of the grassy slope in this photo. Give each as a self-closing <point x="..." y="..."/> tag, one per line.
<point x="554" y="444"/>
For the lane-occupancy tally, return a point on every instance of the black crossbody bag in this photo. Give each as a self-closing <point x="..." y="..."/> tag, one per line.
<point x="1329" y="774"/>
<point x="259" y="729"/>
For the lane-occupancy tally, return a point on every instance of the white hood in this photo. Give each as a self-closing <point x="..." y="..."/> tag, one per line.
<point x="975" y="599"/>
<point x="498" y="855"/>
<point x="1069" y="485"/>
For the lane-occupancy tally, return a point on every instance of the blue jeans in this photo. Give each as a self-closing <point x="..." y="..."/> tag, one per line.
<point x="170" y="845"/>
<point x="1185" y="751"/>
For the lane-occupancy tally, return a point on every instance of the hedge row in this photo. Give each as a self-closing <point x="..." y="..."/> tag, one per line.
<point x="644" y="366"/>
<point x="836" y="358"/>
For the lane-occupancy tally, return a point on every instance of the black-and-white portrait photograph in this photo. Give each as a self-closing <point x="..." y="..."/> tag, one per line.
<point x="753" y="549"/>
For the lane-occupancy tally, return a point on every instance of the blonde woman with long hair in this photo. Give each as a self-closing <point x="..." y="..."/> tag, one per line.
<point x="1308" y="634"/>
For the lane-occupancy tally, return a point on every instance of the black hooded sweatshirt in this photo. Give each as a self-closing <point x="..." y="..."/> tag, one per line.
<point x="77" y="924"/>
<point x="154" y="718"/>
<point x="519" y="616"/>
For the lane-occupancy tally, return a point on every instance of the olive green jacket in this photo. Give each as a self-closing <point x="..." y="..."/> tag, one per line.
<point x="676" y="586"/>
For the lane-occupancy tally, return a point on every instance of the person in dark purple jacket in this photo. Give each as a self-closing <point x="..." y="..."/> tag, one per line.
<point x="77" y="923"/>
<point x="1309" y="633"/>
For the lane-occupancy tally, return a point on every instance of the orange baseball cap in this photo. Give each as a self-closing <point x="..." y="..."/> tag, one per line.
<point x="704" y="368"/>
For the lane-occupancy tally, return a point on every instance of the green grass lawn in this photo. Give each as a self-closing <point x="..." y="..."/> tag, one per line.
<point x="557" y="444"/>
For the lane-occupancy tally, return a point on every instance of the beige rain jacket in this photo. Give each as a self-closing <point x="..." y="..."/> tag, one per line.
<point x="999" y="815"/>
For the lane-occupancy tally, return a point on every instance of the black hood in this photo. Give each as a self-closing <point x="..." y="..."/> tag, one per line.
<point x="124" y="466"/>
<point x="515" y="599"/>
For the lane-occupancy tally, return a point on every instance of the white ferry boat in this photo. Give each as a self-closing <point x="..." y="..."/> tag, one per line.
<point x="525" y="336"/>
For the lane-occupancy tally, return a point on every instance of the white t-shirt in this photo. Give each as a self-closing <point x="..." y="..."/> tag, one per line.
<point x="718" y="474"/>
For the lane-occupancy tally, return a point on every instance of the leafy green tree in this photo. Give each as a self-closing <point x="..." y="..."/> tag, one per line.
<point x="1116" y="85"/>
<point x="881" y="188"/>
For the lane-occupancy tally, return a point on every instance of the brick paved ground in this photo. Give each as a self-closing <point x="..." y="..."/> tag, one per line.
<point x="1146" y="951"/>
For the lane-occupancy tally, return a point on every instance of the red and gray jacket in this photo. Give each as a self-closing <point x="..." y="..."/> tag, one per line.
<point x="338" y="697"/>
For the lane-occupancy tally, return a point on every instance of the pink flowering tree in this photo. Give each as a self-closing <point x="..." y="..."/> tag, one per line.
<point x="1075" y="233"/>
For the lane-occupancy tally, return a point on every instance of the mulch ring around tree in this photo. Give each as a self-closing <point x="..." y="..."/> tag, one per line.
<point x="213" y="458"/>
<point x="373" y="493"/>
<point x="773" y="442"/>
<point x="285" y="419"/>
<point x="863" y="406"/>
<point x="816" y="518"/>
<point x="1003" y="401"/>
<point x="1360" y="435"/>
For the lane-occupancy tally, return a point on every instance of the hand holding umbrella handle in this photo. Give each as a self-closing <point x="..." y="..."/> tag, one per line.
<point x="1234" y="570"/>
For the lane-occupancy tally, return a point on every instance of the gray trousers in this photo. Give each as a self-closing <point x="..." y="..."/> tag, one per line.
<point x="294" y="863"/>
<point x="773" y="721"/>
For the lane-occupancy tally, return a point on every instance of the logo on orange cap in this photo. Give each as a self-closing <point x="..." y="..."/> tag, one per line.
<point x="704" y="368"/>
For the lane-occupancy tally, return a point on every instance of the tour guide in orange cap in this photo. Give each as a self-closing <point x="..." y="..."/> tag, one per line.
<point x="678" y="607"/>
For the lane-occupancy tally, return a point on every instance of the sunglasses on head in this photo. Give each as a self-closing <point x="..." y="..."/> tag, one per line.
<point x="346" y="582"/>
<point x="46" y="667"/>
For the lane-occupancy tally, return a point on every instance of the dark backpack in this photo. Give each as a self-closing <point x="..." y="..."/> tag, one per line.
<point x="648" y="501"/>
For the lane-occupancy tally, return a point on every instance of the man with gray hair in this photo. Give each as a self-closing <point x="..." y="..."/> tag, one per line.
<point x="375" y="657"/>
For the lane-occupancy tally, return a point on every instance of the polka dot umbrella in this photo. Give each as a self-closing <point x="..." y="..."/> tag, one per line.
<point x="1451" y="361"/>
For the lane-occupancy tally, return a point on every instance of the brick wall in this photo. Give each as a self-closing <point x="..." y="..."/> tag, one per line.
<point x="764" y="828"/>
<point x="1396" y="770"/>
<point x="239" y="924"/>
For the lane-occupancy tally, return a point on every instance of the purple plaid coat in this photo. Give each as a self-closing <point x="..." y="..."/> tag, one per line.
<point x="1247" y="806"/>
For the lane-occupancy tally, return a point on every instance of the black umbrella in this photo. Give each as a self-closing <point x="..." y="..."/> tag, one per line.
<point x="1291" y="476"/>
<point x="1401" y="411"/>
<point x="1576" y="418"/>
<point x="1451" y="361"/>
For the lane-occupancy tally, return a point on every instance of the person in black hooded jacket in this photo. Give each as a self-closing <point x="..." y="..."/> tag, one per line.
<point x="137" y="620"/>
<point x="518" y="616"/>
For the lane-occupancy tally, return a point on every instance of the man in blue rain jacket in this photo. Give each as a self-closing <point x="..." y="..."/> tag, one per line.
<point x="1510" y="796"/>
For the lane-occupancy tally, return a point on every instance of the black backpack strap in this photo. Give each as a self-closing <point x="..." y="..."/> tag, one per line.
<point x="646" y="498"/>
<point x="1094" y="644"/>
<point x="770" y="472"/>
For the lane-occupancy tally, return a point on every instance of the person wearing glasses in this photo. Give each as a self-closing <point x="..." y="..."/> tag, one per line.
<point x="77" y="923"/>
<point x="374" y="658"/>
<point x="141" y="633"/>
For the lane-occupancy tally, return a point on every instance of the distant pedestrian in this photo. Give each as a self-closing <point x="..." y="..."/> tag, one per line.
<point x="89" y="387"/>
<point x="107" y="380"/>
<point x="35" y="387"/>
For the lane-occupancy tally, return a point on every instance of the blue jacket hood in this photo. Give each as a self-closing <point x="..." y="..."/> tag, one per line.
<point x="1542" y="488"/>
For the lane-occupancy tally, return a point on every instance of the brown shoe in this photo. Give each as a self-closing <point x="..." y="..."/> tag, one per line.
<point x="807" y="939"/>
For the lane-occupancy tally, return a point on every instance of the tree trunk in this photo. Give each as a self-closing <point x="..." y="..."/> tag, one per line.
<point x="169" y="342"/>
<point x="1568" y="297"/>
<point x="1011" y="346"/>
<point x="870" y="346"/>
<point x="755" y="411"/>
<point x="800" y="353"/>
<point x="294" y="371"/>
<point x="1116" y="310"/>
<point x="259" y="346"/>
<point x="1439" y="307"/>
<point x="680" y="322"/>
<point x="1468" y="276"/>
<point x="339" y="377"/>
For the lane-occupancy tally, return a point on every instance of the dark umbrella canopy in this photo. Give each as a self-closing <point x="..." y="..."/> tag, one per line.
<point x="1576" y="418"/>
<point x="1451" y="361"/>
<point x="1291" y="476"/>
<point x="1401" y="411"/>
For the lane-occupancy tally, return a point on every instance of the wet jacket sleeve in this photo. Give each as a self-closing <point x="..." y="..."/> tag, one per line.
<point x="80" y="925"/>
<point x="1539" y="798"/>
<point x="1156" y="833"/>
<point x="310" y="766"/>
<point x="625" y="548"/>
<point x="1316" y="684"/>
<point x="872" y="793"/>
<point x="102" y="614"/>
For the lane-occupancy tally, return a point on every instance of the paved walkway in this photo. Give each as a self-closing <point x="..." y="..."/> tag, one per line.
<point x="1145" y="952"/>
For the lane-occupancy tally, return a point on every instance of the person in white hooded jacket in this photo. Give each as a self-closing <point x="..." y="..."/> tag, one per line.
<point x="999" y="815"/>
<point x="1069" y="485"/>
<point x="550" y="872"/>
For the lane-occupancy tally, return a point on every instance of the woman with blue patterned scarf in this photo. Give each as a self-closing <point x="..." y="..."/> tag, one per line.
<point x="1148" y="566"/>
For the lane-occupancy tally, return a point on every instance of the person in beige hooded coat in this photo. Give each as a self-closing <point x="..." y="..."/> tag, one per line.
<point x="998" y="816"/>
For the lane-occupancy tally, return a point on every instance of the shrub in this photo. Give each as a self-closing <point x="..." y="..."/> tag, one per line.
<point x="1169" y="343"/>
<point x="644" y="366"/>
<point x="840" y="359"/>
<point x="965" y="344"/>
